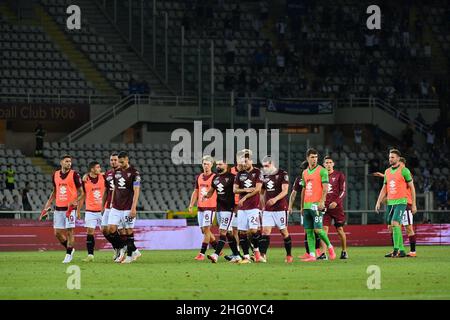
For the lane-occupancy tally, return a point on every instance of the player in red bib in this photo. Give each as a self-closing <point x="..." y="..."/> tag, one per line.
<point x="334" y="203"/>
<point x="67" y="193"/>
<point x="95" y="189"/>
<point x="206" y="206"/>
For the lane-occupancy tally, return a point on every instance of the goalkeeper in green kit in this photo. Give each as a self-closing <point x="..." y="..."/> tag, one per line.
<point x="314" y="193"/>
<point x="397" y="179"/>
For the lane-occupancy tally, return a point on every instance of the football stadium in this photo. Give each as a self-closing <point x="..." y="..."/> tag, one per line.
<point x="224" y="150"/>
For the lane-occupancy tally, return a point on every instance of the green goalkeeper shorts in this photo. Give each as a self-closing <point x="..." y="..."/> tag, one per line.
<point x="395" y="213"/>
<point x="312" y="219"/>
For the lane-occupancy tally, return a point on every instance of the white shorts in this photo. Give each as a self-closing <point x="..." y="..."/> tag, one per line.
<point x="115" y="217"/>
<point x="275" y="219"/>
<point x="92" y="219"/>
<point x="128" y="222"/>
<point x="205" y="218"/>
<point x="407" y="218"/>
<point x="234" y="222"/>
<point x="105" y="217"/>
<point x="248" y="219"/>
<point x="226" y="218"/>
<point x="60" y="221"/>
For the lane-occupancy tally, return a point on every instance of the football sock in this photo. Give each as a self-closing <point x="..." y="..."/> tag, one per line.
<point x="306" y="242"/>
<point x="204" y="247"/>
<point x="255" y="241"/>
<point x="90" y="243"/>
<point x="233" y="245"/>
<point x="244" y="243"/>
<point x="412" y="243"/>
<point x="311" y="240"/>
<point x="69" y="250"/>
<point x="323" y="236"/>
<point x="264" y="243"/>
<point x="130" y="245"/>
<point x="213" y="244"/>
<point x="288" y="245"/>
<point x="398" y="238"/>
<point x="221" y="244"/>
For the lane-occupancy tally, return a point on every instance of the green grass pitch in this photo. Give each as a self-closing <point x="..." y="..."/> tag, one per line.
<point x="175" y="275"/>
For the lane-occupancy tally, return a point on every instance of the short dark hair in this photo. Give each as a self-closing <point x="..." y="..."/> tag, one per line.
<point x="93" y="164"/>
<point x="328" y="158"/>
<point x="65" y="156"/>
<point x="395" y="151"/>
<point x="123" y="154"/>
<point x="311" y="151"/>
<point x="114" y="154"/>
<point x="403" y="160"/>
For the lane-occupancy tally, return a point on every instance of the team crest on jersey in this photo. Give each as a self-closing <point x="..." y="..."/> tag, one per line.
<point x="129" y="174"/>
<point x="227" y="179"/>
<point x="333" y="179"/>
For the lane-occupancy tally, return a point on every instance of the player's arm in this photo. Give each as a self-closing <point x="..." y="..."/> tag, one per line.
<point x="50" y="200"/>
<point x="194" y="197"/>
<point x="256" y="190"/>
<point x="281" y="195"/>
<point x="324" y="195"/>
<point x="80" y="201"/>
<point x="236" y="189"/>
<point x="342" y="192"/>
<point x="302" y="198"/>
<point x="378" y="174"/>
<point x="409" y="180"/>
<point x="209" y="193"/>
<point x="324" y="178"/>
<point x="262" y="198"/>
<point x="381" y="197"/>
<point x="137" y="191"/>
<point x="413" y="196"/>
<point x="292" y="197"/>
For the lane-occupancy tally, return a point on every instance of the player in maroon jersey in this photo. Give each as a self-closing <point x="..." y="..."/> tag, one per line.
<point x="297" y="188"/>
<point x="125" y="197"/>
<point x="275" y="207"/>
<point x="248" y="184"/>
<point x="334" y="203"/>
<point x="222" y="184"/>
<point x="109" y="179"/>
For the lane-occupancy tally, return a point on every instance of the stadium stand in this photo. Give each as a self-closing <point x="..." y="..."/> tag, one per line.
<point x="31" y="63"/>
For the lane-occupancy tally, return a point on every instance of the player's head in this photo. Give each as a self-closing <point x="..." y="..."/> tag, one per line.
<point x="268" y="165"/>
<point x="95" y="168"/>
<point x="312" y="156"/>
<point x="304" y="165"/>
<point x="244" y="157"/>
<point x="221" y="166"/>
<point x="394" y="157"/>
<point x="123" y="159"/>
<point x="66" y="162"/>
<point x="114" y="160"/>
<point x="207" y="163"/>
<point x="328" y="163"/>
<point x="402" y="161"/>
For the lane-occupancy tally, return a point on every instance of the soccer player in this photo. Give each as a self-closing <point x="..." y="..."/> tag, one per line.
<point x="274" y="192"/>
<point x="334" y="203"/>
<point x="125" y="197"/>
<point x="94" y="190"/>
<point x="396" y="181"/>
<point x="223" y="186"/>
<point x="314" y="192"/>
<point x="67" y="193"/>
<point x="109" y="179"/>
<point x="407" y="221"/>
<point x="206" y="206"/>
<point x="297" y="187"/>
<point x="247" y="184"/>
